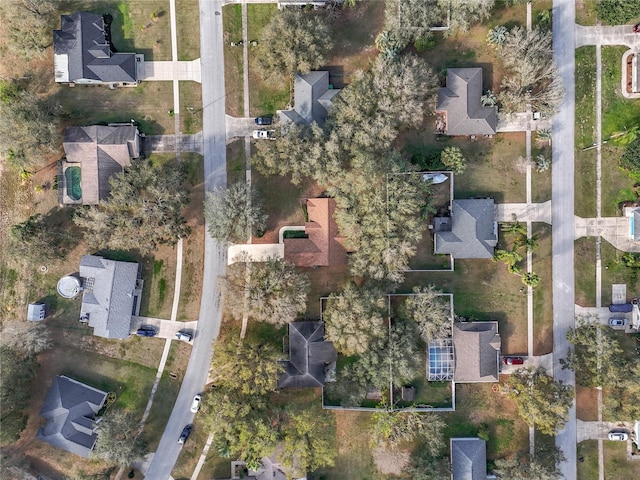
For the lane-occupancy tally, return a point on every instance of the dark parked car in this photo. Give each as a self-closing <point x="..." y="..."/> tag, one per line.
<point x="621" y="308"/>
<point x="146" y="332"/>
<point x="186" y="431"/>
<point x="513" y="360"/>
<point x="264" y="120"/>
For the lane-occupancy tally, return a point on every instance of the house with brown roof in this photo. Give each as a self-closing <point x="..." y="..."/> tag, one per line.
<point x="323" y="245"/>
<point x="93" y="155"/>
<point x="477" y="352"/>
<point x="460" y="104"/>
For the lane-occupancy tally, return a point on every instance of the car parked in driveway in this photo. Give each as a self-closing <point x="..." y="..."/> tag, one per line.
<point x="184" y="336"/>
<point x="513" y="360"/>
<point x="264" y="120"/>
<point x="186" y="431"/>
<point x="195" y="405"/>
<point x="617" y="322"/>
<point x="146" y="332"/>
<point x="264" y="134"/>
<point x="435" y="178"/>
<point x="618" y="436"/>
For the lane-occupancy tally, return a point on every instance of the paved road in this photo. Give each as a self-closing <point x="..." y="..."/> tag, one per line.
<point x="214" y="142"/>
<point x="562" y="175"/>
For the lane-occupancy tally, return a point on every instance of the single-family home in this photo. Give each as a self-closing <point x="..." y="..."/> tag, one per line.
<point x="84" y="55"/>
<point x="468" y="459"/>
<point x="461" y="106"/>
<point x="93" y="155"/>
<point x="313" y="96"/>
<point x="311" y="357"/>
<point x="470" y="232"/>
<point x="323" y="245"/>
<point x="111" y="292"/>
<point x="69" y="410"/>
<point x="476" y="347"/>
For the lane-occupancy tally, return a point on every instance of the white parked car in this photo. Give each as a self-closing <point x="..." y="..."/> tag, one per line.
<point x="195" y="405"/>
<point x="618" y="436"/>
<point x="435" y="178"/>
<point x="264" y="134"/>
<point x="617" y="322"/>
<point x="184" y="336"/>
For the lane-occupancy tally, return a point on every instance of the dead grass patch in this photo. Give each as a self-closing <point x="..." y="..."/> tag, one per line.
<point x="586" y="403"/>
<point x="188" y="26"/>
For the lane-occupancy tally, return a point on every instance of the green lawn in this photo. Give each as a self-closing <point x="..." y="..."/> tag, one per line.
<point x="540" y="181"/>
<point x="188" y="25"/>
<point x="618" y="113"/>
<point x="614" y="272"/>
<point x="542" y="295"/>
<point x="190" y="107"/>
<point x="585" y="96"/>
<point x="233" y="69"/>
<point x="585" y="183"/>
<point x="585" y="271"/>
<point x="616" y="465"/>
<point x="588" y="466"/>
<point x="586" y="12"/>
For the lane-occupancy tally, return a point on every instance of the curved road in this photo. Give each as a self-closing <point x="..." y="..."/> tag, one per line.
<point x="562" y="197"/>
<point x="215" y="257"/>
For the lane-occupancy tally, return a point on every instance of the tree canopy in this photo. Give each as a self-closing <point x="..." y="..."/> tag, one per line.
<point x="294" y="41"/>
<point x="542" y="402"/>
<point x="29" y="24"/>
<point x="430" y="310"/>
<point x="390" y="429"/>
<point x="234" y="212"/>
<point x="616" y="12"/>
<point x="630" y="159"/>
<point x="271" y="291"/>
<point x="41" y="238"/>
<point x="354" y="318"/>
<point x="621" y="401"/>
<point x="245" y="366"/>
<point x="143" y="211"/>
<point x="118" y="441"/>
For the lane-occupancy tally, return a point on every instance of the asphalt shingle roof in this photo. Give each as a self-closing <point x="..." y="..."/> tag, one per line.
<point x="476" y="351"/>
<point x="82" y="52"/>
<point x="308" y="355"/>
<point x="108" y="297"/>
<point x="461" y="99"/>
<point x="468" y="459"/>
<point x="69" y="410"/>
<point x="312" y="99"/>
<point x="473" y="230"/>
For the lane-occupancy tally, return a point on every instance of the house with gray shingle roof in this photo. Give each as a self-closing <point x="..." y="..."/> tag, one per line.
<point x="476" y="348"/>
<point x="309" y="356"/>
<point x="312" y="99"/>
<point x="460" y="102"/>
<point x="84" y="55"/>
<point x="111" y="295"/>
<point x="470" y="232"/>
<point x="69" y="410"/>
<point x="468" y="459"/>
<point x="94" y="154"/>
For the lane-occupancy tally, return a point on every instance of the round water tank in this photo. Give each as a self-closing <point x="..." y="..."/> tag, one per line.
<point x="69" y="286"/>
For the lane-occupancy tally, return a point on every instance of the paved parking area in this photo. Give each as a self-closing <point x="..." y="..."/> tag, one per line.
<point x="165" y="328"/>
<point x="243" y="127"/>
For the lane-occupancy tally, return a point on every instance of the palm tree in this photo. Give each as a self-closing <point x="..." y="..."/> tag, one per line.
<point x="514" y="227"/>
<point x="531" y="243"/>
<point x="544" y="135"/>
<point x="497" y="36"/>
<point x="489" y="99"/>
<point x="542" y="163"/>
<point x="531" y="279"/>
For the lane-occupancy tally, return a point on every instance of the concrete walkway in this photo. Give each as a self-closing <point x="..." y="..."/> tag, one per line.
<point x="601" y="35"/>
<point x="168" y="70"/>
<point x="167" y="143"/>
<point x="524" y="212"/>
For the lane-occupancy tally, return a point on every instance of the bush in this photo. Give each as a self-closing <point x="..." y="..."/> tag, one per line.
<point x="630" y="160"/>
<point x="616" y="12"/>
<point x="424" y="43"/>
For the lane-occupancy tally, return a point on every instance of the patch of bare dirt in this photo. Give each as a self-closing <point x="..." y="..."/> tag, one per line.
<point x="390" y="462"/>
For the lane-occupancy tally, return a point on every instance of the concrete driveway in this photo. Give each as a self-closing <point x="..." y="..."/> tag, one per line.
<point x="604" y="35"/>
<point x="164" y="328"/>
<point x="524" y="212"/>
<point x="242" y="127"/>
<point x="163" y="71"/>
<point x="599" y="430"/>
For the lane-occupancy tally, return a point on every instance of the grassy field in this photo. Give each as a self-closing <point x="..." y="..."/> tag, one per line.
<point x="618" y="113"/>
<point x="188" y="25"/>
<point x="236" y="162"/>
<point x="586" y="12"/>
<point x="585" y="271"/>
<point x="614" y="272"/>
<point x="233" y="69"/>
<point x="540" y="181"/>
<point x="542" y="295"/>
<point x="190" y="107"/>
<point x="588" y="466"/>
<point x="585" y="172"/>
<point x="616" y="464"/>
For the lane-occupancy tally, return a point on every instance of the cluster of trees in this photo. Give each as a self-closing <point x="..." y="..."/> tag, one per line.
<point x="542" y="402"/>
<point x="233" y="213"/>
<point x="616" y="12"/>
<point x="390" y="429"/>
<point x="42" y="237"/>
<point x="249" y="420"/>
<point x="532" y="76"/>
<point x="630" y="159"/>
<point x="119" y="441"/>
<point x="271" y="291"/>
<point x="29" y="127"/>
<point x="20" y="343"/>
<point x="143" y="211"/>
<point x="599" y="361"/>
<point x="29" y="24"/>
<point x="512" y="258"/>
<point x="381" y="351"/>
<point x="541" y="466"/>
<point x="353" y="157"/>
<point x="412" y="20"/>
<point x="294" y="41"/>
